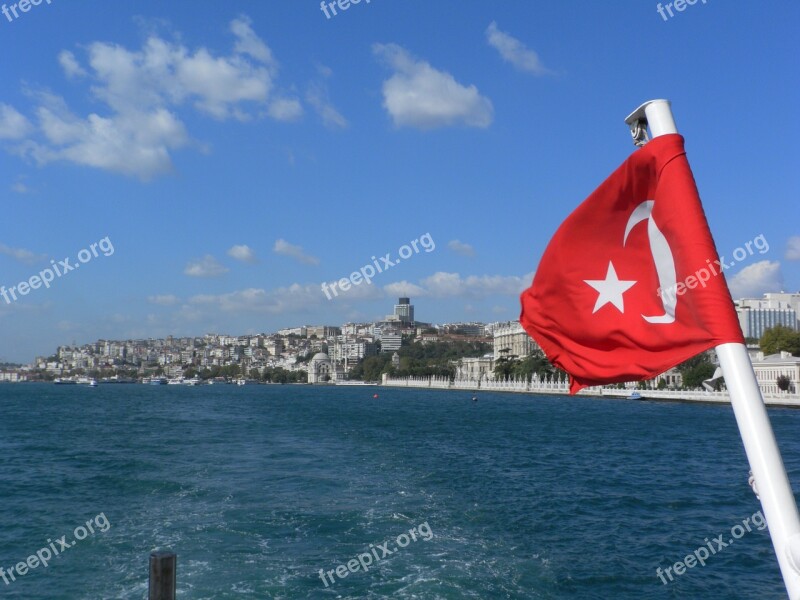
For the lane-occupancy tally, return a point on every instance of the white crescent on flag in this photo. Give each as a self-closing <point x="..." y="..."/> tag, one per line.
<point x="662" y="255"/>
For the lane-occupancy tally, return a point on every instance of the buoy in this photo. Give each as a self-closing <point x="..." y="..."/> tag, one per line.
<point x="375" y="396"/>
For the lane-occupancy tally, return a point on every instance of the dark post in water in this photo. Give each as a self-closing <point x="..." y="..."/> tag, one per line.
<point x="163" y="576"/>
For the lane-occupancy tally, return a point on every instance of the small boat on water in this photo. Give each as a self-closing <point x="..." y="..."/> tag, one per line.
<point x="155" y="380"/>
<point x="90" y="381"/>
<point x="176" y="381"/>
<point x="116" y="379"/>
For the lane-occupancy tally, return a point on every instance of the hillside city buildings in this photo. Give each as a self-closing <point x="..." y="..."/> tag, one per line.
<point x="328" y="353"/>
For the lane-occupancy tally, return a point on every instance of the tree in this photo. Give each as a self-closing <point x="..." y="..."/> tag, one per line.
<point x="694" y="376"/>
<point x="305" y="358"/>
<point x="370" y="368"/>
<point x="535" y="364"/>
<point x="780" y="339"/>
<point x="503" y="368"/>
<point x="784" y="383"/>
<point x="230" y="371"/>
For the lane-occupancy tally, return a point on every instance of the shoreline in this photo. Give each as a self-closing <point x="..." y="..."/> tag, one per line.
<point x="548" y="388"/>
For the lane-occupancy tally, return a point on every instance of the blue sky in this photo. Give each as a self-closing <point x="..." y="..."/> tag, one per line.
<point x="239" y="154"/>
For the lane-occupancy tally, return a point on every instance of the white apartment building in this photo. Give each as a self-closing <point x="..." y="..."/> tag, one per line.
<point x="756" y="315"/>
<point x="512" y="337"/>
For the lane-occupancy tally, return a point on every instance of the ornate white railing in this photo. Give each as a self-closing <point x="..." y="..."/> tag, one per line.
<point x="555" y="386"/>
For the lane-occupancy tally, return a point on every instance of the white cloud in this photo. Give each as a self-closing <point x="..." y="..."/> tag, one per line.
<point x="360" y="291"/>
<point x="164" y="300"/>
<point x="285" y="109"/>
<point x="139" y="92"/>
<point x="20" y="188"/>
<point x="20" y="254"/>
<point x="447" y="285"/>
<point x="294" y="298"/>
<point x="13" y="125"/>
<point x="461" y="248"/>
<point x="417" y="95"/>
<point x="443" y="284"/>
<point x="755" y="279"/>
<point x="70" y="65"/>
<point x="317" y="97"/>
<point x="164" y="73"/>
<point x="793" y="248"/>
<point x="208" y="266"/>
<point x="134" y="143"/>
<point x="286" y="249"/>
<point x="242" y="253"/>
<point x="514" y="51"/>
<point x="247" y="42"/>
<point x="404" y="288"/>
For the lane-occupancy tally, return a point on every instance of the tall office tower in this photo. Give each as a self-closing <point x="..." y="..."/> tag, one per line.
<point x="404" y="310"/>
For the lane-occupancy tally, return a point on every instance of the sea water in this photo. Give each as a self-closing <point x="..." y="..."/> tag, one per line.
<point x="264" y="491"/>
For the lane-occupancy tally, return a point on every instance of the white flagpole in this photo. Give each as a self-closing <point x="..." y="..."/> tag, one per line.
<point x="771" y="482"/>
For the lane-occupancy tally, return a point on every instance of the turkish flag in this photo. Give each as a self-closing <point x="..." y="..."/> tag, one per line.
<point x="630" y="285"/>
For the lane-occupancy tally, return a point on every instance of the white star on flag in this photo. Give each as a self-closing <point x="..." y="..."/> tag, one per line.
<point x="610" y="289"/>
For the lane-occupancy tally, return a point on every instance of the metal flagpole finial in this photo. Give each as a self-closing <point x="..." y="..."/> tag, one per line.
<point x="655" y="114"/>
<point x="639" y="132"/>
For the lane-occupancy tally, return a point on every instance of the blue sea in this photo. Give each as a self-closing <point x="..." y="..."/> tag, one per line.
<point x="258" y="488"/>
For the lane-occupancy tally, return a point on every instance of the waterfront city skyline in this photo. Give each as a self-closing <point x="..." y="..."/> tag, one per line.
<point x="237" y="158"/>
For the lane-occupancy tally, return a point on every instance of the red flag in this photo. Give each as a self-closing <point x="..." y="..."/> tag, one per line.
<point x="630" y="285"/>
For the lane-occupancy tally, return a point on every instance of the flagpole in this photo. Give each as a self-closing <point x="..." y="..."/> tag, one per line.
<point x="771" y="483"/>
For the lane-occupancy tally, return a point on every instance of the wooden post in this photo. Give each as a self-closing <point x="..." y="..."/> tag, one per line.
<point x="163" y="567"/>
